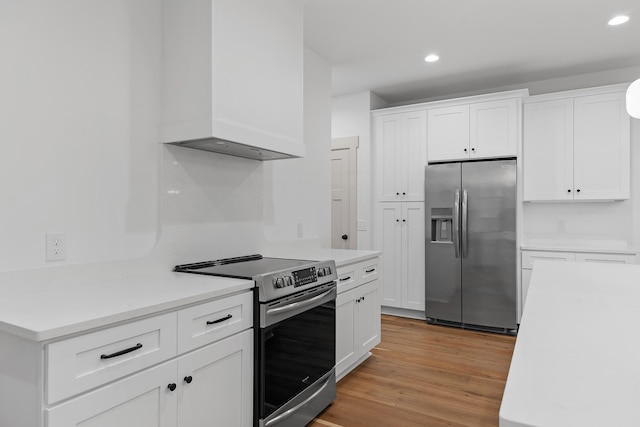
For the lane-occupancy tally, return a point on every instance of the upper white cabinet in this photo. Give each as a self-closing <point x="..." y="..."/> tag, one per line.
<point x="474" y="128"/>
<point x="577" y="146"/>
<point x="232" y="73"/>
<point x="400" y="147"/>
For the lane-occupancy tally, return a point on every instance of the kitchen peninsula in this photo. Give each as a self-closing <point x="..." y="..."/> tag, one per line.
<point x="576" y="357"/>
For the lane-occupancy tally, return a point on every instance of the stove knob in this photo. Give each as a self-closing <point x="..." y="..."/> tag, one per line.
<point x="288" y="281"/>
<point x="321" y="272"/>
<point x="327" y="271"/>
<point x="278" y="283"/>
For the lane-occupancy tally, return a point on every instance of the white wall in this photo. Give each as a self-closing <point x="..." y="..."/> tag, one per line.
<point x="298" y="191"/>
<point x="79" y="115"/>
<point x="350" y="116"/>
<point x="79" y="119"/>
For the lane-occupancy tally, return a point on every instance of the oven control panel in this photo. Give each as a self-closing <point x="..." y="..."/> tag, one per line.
<point x="285" y="282"/>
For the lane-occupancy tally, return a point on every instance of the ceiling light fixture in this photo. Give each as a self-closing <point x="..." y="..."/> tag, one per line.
<point x="618" y="20"/>
<point x="633" y="99"/>
<point x="431" y="58"/>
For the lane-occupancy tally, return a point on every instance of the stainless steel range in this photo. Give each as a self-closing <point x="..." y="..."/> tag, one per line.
<point x="295" y="321"/>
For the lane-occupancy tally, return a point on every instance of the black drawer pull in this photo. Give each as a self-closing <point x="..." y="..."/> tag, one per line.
<point x="121" y="352"/>
<point x="370" y="271"/>
<point x="213" y="322"/>
<point x="344" y="279"/>
<point x="172" y="386"/>
<point x="188" y="379"/>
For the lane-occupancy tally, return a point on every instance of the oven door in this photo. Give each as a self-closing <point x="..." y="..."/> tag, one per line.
<point x="297" y="357"/>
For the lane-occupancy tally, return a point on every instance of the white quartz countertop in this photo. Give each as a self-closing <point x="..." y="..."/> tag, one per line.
<point x="49" y="303"/>
<point x="577" y="356"/>
<point x="340" y="256"/>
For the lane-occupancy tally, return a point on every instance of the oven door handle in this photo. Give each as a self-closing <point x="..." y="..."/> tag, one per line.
<point x="299" y="304"/>
<point x="295" y="409"/>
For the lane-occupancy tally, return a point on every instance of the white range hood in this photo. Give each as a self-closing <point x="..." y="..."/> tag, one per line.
<point x="232" y="77"/>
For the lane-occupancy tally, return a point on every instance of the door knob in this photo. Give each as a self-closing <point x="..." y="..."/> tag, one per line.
<point x="345" y="237"/>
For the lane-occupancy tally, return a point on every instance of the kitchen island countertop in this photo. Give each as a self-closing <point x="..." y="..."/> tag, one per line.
<point x="577" y="356"/>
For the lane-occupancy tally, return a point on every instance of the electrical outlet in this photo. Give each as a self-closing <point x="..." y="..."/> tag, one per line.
<point x="300" y="230"/>
<point x="362" y="225"/>
<point x="56" y="246"/>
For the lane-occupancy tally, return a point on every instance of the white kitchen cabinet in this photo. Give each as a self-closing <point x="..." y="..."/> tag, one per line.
<point x="212" y="383"/>
<point x="577" y="146"/>
<point x="357" y="314"/>
<point x="143" y="399"/>
<point x="147" y="377"/>
<point x="400" y="147"/>
<point x="473" y="130"/>
<point x="233" y="71"/>
<point x="529" y="257"/>
<point x="400" y="236"/>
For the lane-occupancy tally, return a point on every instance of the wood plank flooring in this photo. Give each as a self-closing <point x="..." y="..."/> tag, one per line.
<point x="422" y="375"/>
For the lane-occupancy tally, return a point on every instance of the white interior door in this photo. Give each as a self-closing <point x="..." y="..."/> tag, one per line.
<point x="343" y="193"/>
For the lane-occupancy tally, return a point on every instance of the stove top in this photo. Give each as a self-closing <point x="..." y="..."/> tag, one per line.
<point x="275" y="277"/>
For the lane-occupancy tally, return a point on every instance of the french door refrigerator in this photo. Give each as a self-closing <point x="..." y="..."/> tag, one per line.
<point x="470" y="270"/>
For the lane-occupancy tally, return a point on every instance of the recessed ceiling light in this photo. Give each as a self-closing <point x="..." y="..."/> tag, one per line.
<point x="618" y="20"/>
<point x="431" y="58"/>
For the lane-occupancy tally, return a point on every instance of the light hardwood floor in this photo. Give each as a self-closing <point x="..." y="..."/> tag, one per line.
<point x="422" y="375"/>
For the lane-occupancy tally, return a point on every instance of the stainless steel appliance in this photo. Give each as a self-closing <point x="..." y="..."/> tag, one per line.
<point x="295" y="323"/>
<point x="470" y="269"/>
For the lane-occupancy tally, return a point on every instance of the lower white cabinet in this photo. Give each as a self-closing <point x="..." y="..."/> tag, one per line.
<point x="400" y="236"/>
<point x="357" y="315"/>
<point x="136" y="374"/>
<point x="211" y="386"/>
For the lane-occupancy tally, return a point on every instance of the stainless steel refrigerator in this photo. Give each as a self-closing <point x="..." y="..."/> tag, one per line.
<point x="470" y="270"/>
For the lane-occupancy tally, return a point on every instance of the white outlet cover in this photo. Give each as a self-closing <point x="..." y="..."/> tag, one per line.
<point x="56" y="246"/>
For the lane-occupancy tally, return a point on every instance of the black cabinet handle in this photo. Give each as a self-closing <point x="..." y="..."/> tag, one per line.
<point x="213" y="322"/>
<point x="404" y="194"/>
<point x="121" y="352"/>
<point x="344" y="279"/>
<point x="473" y="149"/>
<point x="370" y="271"/>
<point x="345" y="237"/>
<point x="397" y="194"/>
<point x="569" y="191"/>
<point x="404" y="220"/>
<point x="578" y="190"/>
<point x="465" y="150"/>
<point x="188" y="379"/>
<point x="172" y="386"/>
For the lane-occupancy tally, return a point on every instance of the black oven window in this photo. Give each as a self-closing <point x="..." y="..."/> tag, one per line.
<point x="297" y="352"/>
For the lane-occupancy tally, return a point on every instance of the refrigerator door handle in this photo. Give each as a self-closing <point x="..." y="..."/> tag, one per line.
<point x="456" y="223"/>
<point x="465" y="231"/>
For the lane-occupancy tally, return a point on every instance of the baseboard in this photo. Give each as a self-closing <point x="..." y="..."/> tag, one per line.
<point x="403" y="312"/>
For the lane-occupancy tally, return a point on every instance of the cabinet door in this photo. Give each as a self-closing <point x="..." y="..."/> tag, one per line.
<point x="140" y="400"/>
<point x="388" y="240"/>
<point x="526" y="279"/>
<point x="413" y="257"/>
<point x="388" y="139"/>
<point x="346" y="339"/>
<point x="368" y="317"/>
<point x="548" y="150"/>
<point x="414" y="158"/>
<point x="221" y="388"/>
<point x="493" y="130"/>
<point x="601" y="147"/>
<point x="448" y="133"/>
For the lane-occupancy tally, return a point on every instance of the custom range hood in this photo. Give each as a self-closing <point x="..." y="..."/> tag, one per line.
<point x="232" y="77"/>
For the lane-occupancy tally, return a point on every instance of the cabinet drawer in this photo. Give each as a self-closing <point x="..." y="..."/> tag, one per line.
<point x="87" y="361"/>
<point x="348" y="277"/>
<point x="607" y="258"/>
<point x="209" y="322"/>
<point x="529" y="257"/>
<point x="369" y="270"/>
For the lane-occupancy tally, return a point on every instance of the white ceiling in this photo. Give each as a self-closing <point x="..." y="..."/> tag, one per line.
<point x="380" y="45"/>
